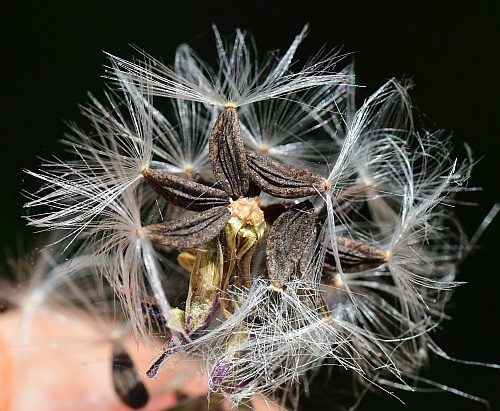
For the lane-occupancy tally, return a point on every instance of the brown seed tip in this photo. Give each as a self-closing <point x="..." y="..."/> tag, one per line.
<point x="139" y="232"/>
<point x="276" y="288"/>
<point x="337" y="281"/>
<point x="325" y="184"/>
<point x="388" y="255"/>
<point x="264" y="148"/>
<point x="326" y="318"/>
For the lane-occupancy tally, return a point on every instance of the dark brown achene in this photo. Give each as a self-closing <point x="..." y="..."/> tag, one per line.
<point x="189" y="232"/>
<point x="185" y="193"/>
<point x="227" y="154"/>
<point x="355" y="256"/>
<point x="281" y="180"/>
<point x="288" y="242"/>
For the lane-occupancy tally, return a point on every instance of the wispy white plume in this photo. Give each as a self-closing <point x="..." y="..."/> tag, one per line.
<point x="239" y="79"/>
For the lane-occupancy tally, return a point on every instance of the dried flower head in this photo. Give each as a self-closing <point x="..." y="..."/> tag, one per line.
<point x="270" y="226"/>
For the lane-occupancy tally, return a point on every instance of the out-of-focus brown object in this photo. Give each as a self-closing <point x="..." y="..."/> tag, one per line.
<point x="60" y="362"/>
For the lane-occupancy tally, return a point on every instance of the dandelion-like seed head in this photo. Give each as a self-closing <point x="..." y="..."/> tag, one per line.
<point x="263" y="223"/>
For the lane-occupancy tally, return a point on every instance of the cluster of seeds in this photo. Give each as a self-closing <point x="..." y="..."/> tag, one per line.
<point x="312" y="231"/>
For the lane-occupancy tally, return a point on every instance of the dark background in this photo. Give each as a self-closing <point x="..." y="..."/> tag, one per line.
<point x="52" y="54"/>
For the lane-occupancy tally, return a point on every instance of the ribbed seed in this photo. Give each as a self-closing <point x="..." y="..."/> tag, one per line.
<point x="281" y="180"/>
<point x="288" y="241"/>
<point x="189" y="232"/>
<point x="355" y="256"/>
<point x="227" y="154"/>
<point x="185" y="193"/>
